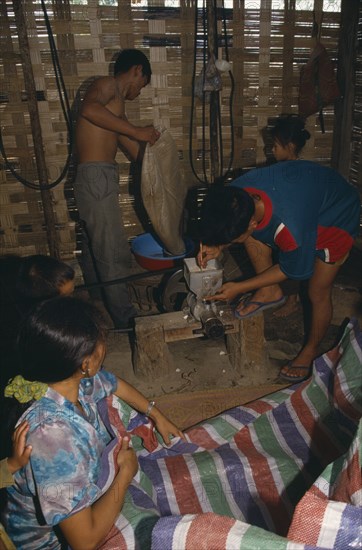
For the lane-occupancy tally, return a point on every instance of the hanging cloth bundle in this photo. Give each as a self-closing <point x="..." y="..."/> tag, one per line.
<point x="318" y="85"/>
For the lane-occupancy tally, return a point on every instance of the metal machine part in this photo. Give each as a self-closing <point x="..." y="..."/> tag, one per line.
<point x="213" y="326"/>
<point x="215" y="317"/>
<point x="173" y="292"/>
<point x="206" y="312"/>
<point x="202" y="283"/>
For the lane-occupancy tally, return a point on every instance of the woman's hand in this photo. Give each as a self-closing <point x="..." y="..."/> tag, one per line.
<point x="207" y="253"/>
<point x="21" y="452"/>
<point x="226" y="293"/>
<point x="166" y="428"/>
<point x="138" y="401"/>
<point x="127" y="461"/>
<point x="87" y="528"/>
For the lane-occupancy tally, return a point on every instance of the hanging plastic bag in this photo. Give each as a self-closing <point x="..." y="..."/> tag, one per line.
<point x="213" y="82"/>
<point x="209" y="80"/>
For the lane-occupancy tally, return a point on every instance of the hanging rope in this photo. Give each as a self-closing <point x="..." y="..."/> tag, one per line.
<point x="64" y="102"/>
<point x="222" y="172"/>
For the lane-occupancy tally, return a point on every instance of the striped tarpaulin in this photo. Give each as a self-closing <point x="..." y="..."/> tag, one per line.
<point x="279" y="474"/>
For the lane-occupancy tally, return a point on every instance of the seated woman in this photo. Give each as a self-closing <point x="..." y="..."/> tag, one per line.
<point x="56" y="498"/>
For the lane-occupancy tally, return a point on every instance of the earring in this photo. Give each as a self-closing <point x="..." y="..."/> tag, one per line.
<point x="88" y="383"/>
<point x="86" y="372"/>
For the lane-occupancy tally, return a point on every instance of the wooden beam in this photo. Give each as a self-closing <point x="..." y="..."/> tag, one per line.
<point x="347" y="48"/>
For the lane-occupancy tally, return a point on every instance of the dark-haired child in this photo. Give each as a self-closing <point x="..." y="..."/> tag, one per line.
<point x="289" y="137"/>
<point x="19" y="457"/>
<point x="25" y="281"/>
<point x="41" y="277"/>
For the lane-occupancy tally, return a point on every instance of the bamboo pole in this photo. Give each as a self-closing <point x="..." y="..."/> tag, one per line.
<point x="30" y="88"/>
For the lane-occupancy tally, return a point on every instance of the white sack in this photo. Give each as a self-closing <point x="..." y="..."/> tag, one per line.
<point x="164" y="193"/>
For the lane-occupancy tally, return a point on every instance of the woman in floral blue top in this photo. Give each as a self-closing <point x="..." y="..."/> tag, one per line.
<point x="55" y="500"/>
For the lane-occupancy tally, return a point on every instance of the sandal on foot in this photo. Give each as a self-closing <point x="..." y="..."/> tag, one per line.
<point x="240" y="298"/>
<point x="290" y="378"/>
<point x="260" y="306"/>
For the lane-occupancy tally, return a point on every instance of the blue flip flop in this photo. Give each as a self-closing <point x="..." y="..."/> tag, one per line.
<point x="262" y="306"/>
<point x="240" y="299"/>
<point x="294" y="379"/>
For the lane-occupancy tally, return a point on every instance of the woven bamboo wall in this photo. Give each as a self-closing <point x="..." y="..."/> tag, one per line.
<point x="266" y="47"/>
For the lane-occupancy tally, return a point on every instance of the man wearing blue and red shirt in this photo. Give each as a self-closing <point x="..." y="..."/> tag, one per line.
<point x="306" y="212"/>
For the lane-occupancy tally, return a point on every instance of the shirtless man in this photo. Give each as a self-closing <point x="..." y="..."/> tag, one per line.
<point x="101" y="128"/>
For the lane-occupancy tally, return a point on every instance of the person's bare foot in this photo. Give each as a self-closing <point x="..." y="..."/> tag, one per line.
<point x="290" y="307"/>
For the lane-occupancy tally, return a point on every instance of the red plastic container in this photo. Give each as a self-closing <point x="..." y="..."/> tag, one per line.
<point x="149" y="253"/>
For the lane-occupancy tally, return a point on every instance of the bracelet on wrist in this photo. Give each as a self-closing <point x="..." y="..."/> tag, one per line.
<point x="151" y="404"/>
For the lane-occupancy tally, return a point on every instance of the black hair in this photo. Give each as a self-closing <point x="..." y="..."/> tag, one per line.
<point x="129" y="58"/>
<point x="56" y="337"/>
<point x="225" y="215"/>
<point x="52" y="343"/>
<point x="40" y="276"/>
<point x="290" y="128"/>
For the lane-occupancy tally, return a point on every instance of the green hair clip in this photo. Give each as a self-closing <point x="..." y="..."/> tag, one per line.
<point x="24" y="390"/>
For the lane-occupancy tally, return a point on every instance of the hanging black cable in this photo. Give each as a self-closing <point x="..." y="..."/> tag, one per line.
<point x="204" y="52"/>
<point x="64" y="102"/>
<point x="193" y="97"/>
<point x="223" y="173"/>
<point x="231" y="97"/>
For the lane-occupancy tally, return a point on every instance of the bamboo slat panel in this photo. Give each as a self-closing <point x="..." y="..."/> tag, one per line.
<point x="266" y="48"/>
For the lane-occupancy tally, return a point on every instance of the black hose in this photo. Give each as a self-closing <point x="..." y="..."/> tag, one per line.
<point x="66" y="112"/>
<point x="122" y="280"/>
<point x="222" y="173"/>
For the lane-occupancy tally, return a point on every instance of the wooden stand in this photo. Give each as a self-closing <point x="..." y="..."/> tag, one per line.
<point x="247" y="351"/>
<point x="245" y="344"/>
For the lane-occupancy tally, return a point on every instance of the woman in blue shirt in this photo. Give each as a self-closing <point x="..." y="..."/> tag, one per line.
<point x="57" y="498"/>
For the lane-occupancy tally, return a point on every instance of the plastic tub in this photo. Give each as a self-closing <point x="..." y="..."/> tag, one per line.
<point x="149" y="254"/>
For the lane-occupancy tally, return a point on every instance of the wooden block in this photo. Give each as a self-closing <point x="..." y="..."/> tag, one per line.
<point x="176" y="327"/>
<point x="247" y="350"/>
<point x="245" y="344"/>
<point x="152" y="358"/>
